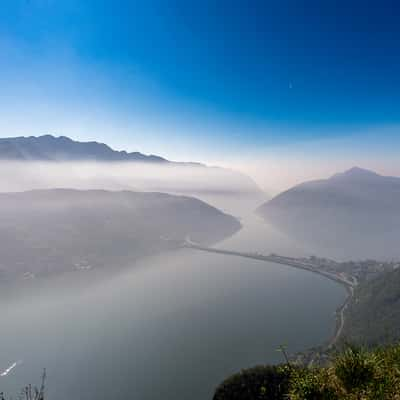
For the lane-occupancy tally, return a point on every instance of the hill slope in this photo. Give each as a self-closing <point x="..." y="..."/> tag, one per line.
<point x="56" y="230"/>
<point x="373" y="316"/>
<point x="352" y="214"/>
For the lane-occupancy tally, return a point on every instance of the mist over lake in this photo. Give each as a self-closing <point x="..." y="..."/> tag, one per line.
<point x="172" y="325"/>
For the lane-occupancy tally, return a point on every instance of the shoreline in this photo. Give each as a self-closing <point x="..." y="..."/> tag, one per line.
<point x="295" y="263"/>
<point x="340" y="317"/>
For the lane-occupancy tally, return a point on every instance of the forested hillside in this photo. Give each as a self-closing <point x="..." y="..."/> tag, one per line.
<point x="46" y="231"/>
<point x="373" y="316"/>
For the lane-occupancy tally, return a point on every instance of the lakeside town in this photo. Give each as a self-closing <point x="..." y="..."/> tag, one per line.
<point x="356" y="271"/>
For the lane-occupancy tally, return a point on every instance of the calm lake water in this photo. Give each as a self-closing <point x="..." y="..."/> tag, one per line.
<point x="171" y="326"/>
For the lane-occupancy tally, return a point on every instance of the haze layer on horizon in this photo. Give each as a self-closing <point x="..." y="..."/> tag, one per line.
<point x="280" y="90"/>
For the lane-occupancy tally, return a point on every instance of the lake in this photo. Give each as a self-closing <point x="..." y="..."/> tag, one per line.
<point x="171" y="326"/>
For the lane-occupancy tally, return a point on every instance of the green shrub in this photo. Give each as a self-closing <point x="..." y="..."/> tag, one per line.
<point x="354" y="374"/>
<point x="312" y="384"/>
<point x="356" y="368"/>
<point x="261" y="382"/>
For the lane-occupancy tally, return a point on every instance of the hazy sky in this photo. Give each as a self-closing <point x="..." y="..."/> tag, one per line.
<point x="250" y="83"/>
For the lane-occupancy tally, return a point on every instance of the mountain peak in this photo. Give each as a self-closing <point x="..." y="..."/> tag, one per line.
<point x="356" y="173"/>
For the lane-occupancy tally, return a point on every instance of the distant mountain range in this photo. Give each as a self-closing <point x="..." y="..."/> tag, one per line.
<point x="140" y="172"/>
<point x="352" y="214"/>
<point x="51" y="148"/>
<point x="48" y="231"/>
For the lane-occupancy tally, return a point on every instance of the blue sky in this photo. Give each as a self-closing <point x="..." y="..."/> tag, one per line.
<point x="206" y="80"/>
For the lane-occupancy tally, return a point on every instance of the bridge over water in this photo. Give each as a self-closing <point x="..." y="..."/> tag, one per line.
<point x="289" y="261"/>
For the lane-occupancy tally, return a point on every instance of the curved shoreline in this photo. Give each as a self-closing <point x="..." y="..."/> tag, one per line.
<point x="340" y="318"/>
<point x="294" y="263"/>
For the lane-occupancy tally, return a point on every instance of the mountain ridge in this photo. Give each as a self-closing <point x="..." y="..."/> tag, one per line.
<point x="63" y="148"/>
<point x="355" y="213"/>
<point x="60" y="230"/>
<point x="149" y="172"/>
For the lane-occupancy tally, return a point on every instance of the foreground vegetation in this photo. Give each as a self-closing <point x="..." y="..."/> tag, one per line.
<point x="354" y="374"/>
<point x="30" y="392"/>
